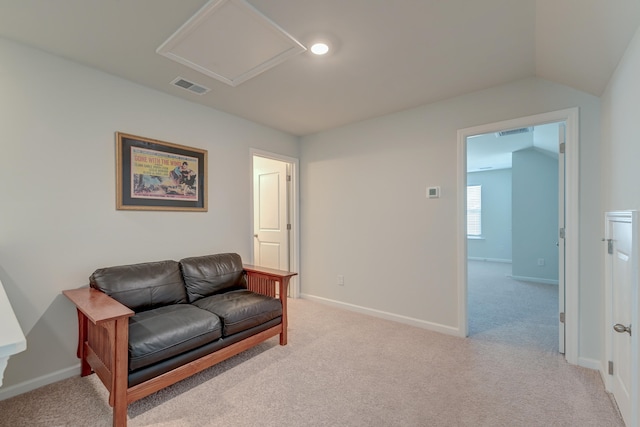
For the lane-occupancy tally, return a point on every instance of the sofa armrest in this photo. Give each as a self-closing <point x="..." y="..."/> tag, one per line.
<point x="97" y="310"/>
<point x="263" y="280"/>
<point x="97" y="306"/>
<point x="103" y="336"/>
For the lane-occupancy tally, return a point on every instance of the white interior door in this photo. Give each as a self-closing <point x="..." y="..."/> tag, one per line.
<point x="561" y="245"/>
<point x="622" y="268"/>
<point x="271" y="217"/>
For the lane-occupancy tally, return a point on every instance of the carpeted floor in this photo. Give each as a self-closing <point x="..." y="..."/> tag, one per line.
<point x="346" y="369"/>
<point x="501" y="309"/>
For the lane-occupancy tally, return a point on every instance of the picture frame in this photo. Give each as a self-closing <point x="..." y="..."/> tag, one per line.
<point x="155" y="175"/>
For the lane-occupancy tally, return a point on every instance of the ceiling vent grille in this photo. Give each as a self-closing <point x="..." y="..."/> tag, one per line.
<point x="190" y="86"/>
<point x="514" y="131"/>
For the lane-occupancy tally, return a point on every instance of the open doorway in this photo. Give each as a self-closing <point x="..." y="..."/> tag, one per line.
<point x="512" y="236"/>
<point x="567" y="233"/>
<point x="274" y="202"/>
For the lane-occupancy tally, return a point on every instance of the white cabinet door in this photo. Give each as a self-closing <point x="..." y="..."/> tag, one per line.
<point x="622" y="270"/>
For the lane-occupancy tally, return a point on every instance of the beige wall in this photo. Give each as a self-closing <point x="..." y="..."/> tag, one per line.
<point x="621" y="139"/>
<point x="58" y="219"/>
<point x="621" y="132"/>
<point x="365" y="214"/>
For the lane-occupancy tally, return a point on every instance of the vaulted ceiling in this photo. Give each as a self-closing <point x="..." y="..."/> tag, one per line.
<point x="387" y="55"/>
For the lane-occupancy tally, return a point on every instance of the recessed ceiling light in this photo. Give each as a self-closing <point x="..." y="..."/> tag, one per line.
<point x="319" y="48"/>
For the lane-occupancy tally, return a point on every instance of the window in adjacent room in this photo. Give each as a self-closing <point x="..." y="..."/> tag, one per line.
<point x="474" y="210"/>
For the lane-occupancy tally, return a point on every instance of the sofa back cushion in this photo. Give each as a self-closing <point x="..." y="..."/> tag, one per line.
<point x="212" y="274"/>
<point x="142" y="286"/>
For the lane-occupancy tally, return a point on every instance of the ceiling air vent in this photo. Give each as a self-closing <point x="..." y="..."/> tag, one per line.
<point x="190" y="86"/>
<point x="514" y="131"/>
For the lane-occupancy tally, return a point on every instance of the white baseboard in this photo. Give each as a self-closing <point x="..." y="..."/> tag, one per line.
<point x="589" y="363"/>
<point x="474" y="258"/>
<point x="599" y="366"/>
<point x="449" y="330"/>
<point x="535" y="280"/>
<point x="62" y="374"/>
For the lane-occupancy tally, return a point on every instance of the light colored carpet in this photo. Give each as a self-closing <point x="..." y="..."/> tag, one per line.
<point x="346" y="369"/>
<point x="508" y="311"/>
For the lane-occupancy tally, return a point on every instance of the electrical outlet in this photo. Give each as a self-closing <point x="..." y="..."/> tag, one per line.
<point x="340" y="280"/>
<point x="540" y="262"/>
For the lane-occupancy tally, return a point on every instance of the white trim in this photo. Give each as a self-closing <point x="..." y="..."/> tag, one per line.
<point x="436" y="327"/>
<point x="32" y="384"/>
<point x="572" y="240"/>
<point x="463" y="324"/>
<point x="474" y="258"/>
<point x="535" y="280"/>
<point x="294" y="284"/>
<point x="604" y="374"/>
<point x="590" y="363"/>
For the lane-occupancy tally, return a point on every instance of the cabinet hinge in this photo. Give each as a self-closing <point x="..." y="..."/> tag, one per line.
<point x="610" y="246"/>
<point x="610" y="367"/>
<point x="288" y="177"/>
<point x="562" y="233"/>
<point x="562" y="148"/>
<point x="288" y="226"/>
<point x="562" y="317"/>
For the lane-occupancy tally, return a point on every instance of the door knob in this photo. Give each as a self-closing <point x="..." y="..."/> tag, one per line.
<point x="621" y="328"/>
<point x="255" y="235"/>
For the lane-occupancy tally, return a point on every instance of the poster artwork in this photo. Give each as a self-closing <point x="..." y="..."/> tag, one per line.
<point x="161" y="175"/>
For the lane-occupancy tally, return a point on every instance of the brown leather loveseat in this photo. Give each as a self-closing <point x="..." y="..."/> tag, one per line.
<point x="145" y="326"/>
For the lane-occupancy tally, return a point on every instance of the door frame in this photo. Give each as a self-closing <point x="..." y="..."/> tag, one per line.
<point x="572" y="215"/>
<point x="294" y="206"/>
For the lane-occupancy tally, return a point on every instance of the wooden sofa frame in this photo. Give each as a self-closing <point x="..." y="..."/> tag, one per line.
<point x="103" y="335"/>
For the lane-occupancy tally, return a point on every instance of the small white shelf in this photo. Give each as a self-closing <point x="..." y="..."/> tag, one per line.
<point x="12" y="339"/>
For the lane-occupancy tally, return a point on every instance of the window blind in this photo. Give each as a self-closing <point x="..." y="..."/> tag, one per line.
<point x="474" y="210"/>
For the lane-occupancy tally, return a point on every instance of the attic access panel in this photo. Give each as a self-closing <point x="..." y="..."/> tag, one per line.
<point x="230" y="41"/>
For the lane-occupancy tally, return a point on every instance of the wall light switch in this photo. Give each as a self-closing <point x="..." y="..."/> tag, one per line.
<point x="433" y="192"/>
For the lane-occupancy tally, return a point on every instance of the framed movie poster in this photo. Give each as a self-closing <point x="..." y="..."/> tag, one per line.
<point x="157" y="175"/>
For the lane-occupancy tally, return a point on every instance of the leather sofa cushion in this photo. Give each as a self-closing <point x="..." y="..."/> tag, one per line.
<point x="142" y="286"/>
<point x="211" y="274"/>
<point x="161" y="333"/>
<point x="240" y="310"/>
<point x="151" y="371"/>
